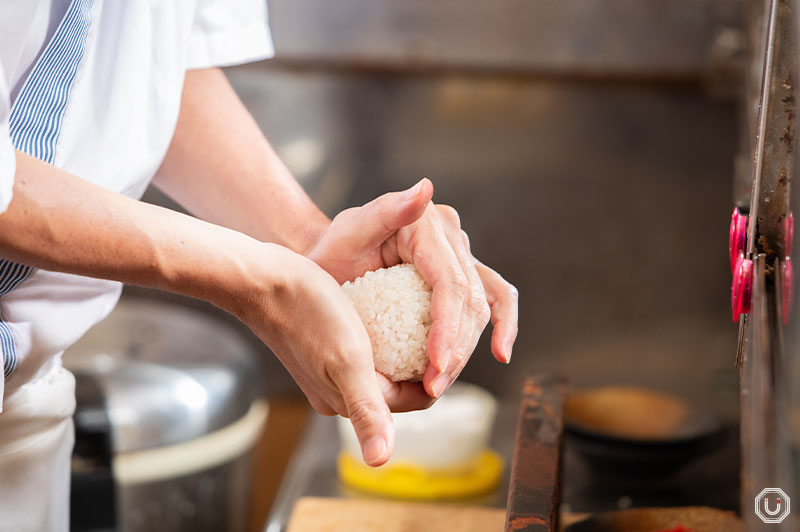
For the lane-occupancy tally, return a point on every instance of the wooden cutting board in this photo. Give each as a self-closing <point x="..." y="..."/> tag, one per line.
<point x="313" y="514"/>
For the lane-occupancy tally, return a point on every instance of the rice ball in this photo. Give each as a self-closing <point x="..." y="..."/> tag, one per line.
<point x="395" y="306"/>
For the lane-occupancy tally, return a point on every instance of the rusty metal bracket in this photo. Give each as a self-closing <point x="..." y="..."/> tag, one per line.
<point x="533" y="496"/>
<point x="774" y="151"/>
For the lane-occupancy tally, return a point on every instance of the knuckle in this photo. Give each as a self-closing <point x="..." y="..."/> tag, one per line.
<point x="511" y="329"/>
<point x="450" y="214"/>
<point x="485" y="315"/>
<point x="361" y="412"/>
<point x="477" y="301"/>
<point x="513" y="293"/>
<point x="465" y="239"/>
<point x="382" y="207"/>
<point x="385" y="210"/>
<point x="452" y="329"/>
<point x="460" y="284"/>
<point x="336" y="367"/>
<point x="340" y="362"/>
<point x="460" y="356"/>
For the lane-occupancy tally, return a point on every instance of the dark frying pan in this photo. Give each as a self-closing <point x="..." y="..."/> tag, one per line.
<point x="608" y="452"/>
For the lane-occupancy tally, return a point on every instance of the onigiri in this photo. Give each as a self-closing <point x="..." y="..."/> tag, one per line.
<point x="395" y="306"/>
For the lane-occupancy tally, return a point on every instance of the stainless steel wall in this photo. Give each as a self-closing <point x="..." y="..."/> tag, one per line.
<point x="643" y="38"/>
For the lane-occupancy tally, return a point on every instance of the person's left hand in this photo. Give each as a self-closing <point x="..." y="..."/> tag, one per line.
<point x="406" y="227"/>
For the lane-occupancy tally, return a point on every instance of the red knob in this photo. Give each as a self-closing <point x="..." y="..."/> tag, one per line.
<point x="742" y="287"/>
<point x="787" y="289"/>
<point x="737" y="238"/>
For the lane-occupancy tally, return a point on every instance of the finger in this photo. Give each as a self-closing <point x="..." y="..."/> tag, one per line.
<point x="434" y="258"/>
<point x="469" y="336"/>
<point x="475" y="313"/>
<point x="369" y="226"/>
<point x="404" y="396"/>
<point x="451" y="376"/>
<point x="437" y="382"/>
<point x="503" y="299"/>
<point x="367" y="411"/>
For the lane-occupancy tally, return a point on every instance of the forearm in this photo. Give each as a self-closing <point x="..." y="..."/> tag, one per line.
<point x="222" y="169"/>
<point x="59" y="222"/>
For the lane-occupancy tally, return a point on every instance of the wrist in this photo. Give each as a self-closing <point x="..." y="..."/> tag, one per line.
<point x="254" y="273"/>
<point x="312" y="233"/>
<point x="218" y="265"/>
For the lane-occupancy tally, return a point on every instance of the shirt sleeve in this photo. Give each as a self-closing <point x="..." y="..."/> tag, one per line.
<point x="8" y="161"/>
<point x="229" y="32"/>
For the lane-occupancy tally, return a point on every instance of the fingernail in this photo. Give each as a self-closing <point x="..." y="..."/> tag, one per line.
<point x="440" y="384"/>
<point x="444" y="360"/>
<point x="374" y="449"/>
<point x="413" y="192"/>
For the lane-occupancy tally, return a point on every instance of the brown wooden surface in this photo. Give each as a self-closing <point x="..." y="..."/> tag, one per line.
<point x="285" y="424"/>
<point x="533" y="495"/>
<point x="315" y="514"/>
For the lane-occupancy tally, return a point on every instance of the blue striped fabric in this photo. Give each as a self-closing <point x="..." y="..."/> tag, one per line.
<point x="35" y="125"/>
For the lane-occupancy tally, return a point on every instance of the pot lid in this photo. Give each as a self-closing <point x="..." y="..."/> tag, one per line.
<point x="170" y="373"/>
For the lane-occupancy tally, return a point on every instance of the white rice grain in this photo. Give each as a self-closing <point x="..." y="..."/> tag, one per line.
<point x="394" y="304"/>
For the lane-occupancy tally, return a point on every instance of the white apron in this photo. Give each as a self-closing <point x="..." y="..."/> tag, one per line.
<point x="36" y="437"/>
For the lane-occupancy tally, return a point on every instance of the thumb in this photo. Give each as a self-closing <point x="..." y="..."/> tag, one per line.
<point x="383" y="216"/>
<point x="369" y="415"/>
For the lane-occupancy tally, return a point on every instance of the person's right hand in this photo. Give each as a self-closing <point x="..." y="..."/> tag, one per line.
<point x="310" y="324"/>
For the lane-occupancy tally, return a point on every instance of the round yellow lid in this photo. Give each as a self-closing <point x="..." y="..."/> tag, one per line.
<point x="409" y="481"/>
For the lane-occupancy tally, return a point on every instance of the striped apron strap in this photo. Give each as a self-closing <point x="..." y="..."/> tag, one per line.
<point x="35" y="125"/>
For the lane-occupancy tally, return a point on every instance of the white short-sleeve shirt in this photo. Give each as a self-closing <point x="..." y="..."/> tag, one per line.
<point x="93" y="87"/>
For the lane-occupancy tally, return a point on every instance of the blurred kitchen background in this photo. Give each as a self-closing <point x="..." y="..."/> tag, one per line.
<point x="580" y="141"/>
<point x="589" y="146"/>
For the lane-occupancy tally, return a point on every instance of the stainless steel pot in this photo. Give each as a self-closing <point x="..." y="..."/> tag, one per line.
<point x="176" y="397"/>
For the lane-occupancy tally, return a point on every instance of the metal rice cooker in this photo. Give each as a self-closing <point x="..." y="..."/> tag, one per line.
<point x="168" y="411"/>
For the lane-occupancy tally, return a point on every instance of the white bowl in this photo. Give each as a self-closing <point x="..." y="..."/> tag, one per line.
<point x="451" y="434"/>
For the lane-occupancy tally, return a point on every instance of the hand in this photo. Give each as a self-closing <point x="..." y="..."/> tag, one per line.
<point x="311" y="325"/>
<point x="405" y="227"/>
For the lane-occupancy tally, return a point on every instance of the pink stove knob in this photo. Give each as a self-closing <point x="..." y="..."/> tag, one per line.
<point x="788" y="233"/>
<point x="742" y="287"/>
<point x="787" y="289"/>
<point x="737" y="238"/>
